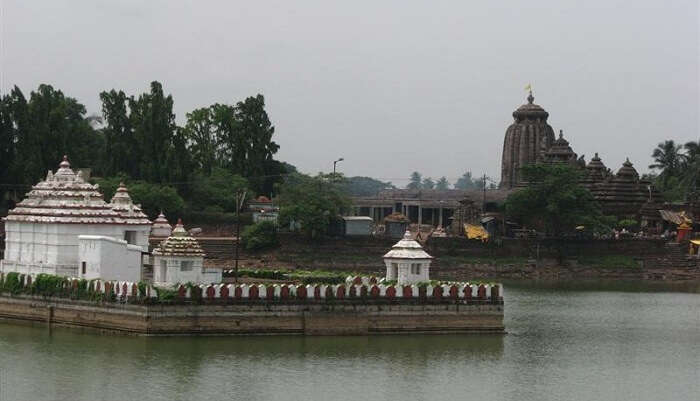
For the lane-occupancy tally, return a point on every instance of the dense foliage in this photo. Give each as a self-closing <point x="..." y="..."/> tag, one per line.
<point x="679" y="170"/>
<point x="363" y="186"/>
<point x="196" y="167"/>
<point x="311" y="204"/>
<point x="554" y="202"/>
<point x="259" y="236"/>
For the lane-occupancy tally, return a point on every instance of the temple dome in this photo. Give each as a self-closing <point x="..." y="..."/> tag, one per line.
<point x="596" y="170"/>
<point x="180" y="243"/>
<point x="525" y="143"/>
<point x="560" y="151"/>
<point x="407" y="248"/>
<point x="122" y="204"/>
<point x="65" y="198"/>
<point x="627" y="171"/>
<point x="161" y="227"/>
<point x="530" y="111"/>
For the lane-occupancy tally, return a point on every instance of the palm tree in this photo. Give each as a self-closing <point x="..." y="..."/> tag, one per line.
<point x="691" y="168"/>
<point x="667" y="158"/>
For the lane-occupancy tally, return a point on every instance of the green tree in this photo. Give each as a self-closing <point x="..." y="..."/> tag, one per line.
<point x="8" y="138"/>
<point x="553" y="202"/>
<point x="364" y="186"/>
<point x="442" y="184"/>
<point x="153" y="122"/>
<point x="247" y="148"/>
<point x="466" y="182"/>
<point x="258" y="236"/>
<point x="152" y="197"/>
<point x="667" y="158"/>
<point x="415" y="181"/>
<point x="311" y="202"/>
<point x="427" y="183"/>
<point x="120" y="153"/>
<point x="218" y="189"/>
<point x="202" y="137"/>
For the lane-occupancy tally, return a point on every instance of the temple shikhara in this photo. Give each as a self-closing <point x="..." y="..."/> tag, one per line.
<point x="65" y="227"/>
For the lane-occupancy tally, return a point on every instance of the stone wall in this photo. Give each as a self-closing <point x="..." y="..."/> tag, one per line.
<point x="358" y="307"/>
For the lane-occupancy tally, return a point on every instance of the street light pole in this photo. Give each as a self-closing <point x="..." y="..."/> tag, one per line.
<point x="240" y="198"/>
<point x="334" y="163"/>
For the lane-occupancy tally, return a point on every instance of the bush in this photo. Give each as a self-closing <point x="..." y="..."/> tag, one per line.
<point x="48" y="285"/>
<point x="12" y="283"/>
<point x="259" y="236"/>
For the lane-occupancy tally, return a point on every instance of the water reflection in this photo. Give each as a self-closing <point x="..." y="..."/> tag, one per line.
<point x="571" y="340"/>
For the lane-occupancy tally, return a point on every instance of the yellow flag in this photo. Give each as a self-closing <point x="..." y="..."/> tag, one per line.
<point x="528" y="87"/>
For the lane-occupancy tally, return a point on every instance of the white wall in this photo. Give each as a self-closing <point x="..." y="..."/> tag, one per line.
<point x="54" y="248"/>
<point x="172" y="272"/>
<point x="109" y="259"/>
<point x="404" y="274"/>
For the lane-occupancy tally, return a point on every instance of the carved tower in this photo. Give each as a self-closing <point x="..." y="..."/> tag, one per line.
<point x="526" y="141"/>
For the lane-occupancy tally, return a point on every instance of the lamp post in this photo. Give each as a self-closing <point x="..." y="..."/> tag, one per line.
<point x="334" y="163"/>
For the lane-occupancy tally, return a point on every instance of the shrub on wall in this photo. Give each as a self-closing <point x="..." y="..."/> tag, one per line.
<point x="12" y="283"/>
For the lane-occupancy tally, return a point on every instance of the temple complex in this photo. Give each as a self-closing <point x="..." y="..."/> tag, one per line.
<point x="528" y="140"/>
<point x="43" y="231"/>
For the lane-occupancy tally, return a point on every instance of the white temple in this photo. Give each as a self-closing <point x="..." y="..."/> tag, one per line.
<point x="180" y="259"/>
<point x="65" y="227"/>
<point x="407" y="262"/>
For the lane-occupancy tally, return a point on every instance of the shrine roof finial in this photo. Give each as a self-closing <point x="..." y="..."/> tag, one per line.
<point x="64" y="162"/>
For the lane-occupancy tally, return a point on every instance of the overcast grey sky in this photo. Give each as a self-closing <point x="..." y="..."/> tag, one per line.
<point x="391" y="86"/>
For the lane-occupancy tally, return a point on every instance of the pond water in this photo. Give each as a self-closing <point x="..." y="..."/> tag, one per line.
<point x="565" y="341"/>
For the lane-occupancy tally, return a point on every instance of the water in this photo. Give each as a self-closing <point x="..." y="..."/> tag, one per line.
<point x="623" y="341"/>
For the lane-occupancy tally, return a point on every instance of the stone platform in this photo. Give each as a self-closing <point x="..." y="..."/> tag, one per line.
<point x="360" y="316"/>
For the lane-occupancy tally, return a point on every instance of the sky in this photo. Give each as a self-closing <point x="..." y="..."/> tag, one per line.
<point x="390" y="86"/>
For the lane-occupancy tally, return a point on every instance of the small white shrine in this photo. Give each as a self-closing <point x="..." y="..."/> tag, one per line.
<point x="161" y="227"/>
<point x="180" y="259"/>
<point x="65" y="227"/>
<point x="407" y="262"/>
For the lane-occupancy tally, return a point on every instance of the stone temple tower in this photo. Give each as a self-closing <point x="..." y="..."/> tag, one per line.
<point x="526" y="141"/>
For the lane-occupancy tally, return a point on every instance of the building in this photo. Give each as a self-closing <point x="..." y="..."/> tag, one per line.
<point x="180" y="259"/>
<point x="407" y="262"/>
<point x="526" y="141"/>
<point x="43" y="231"/>
<point x="357" y="225"/>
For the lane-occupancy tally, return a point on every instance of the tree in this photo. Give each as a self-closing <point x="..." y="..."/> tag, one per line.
<point x="152" y="197"/>
<point x="202" y="138"/>
<point x="8" y="151"/>
<point x="364" y="186"/>
<point x="312" y="203"/>
<point x="216" y="190"/>
<point x="427" y="183"/>
<point x="120" y="153"/>
<point x="153" y="121"/>
<point x="466" y="182"/>
<point x="691" y="171"/>
<point x="416" y="181"/>
<point x="247" y="148"/>
<point x="668" y="159"/>
<point x="554" y="201"/>
<point x="442" y="184"/>
<point x="262" y="235"/>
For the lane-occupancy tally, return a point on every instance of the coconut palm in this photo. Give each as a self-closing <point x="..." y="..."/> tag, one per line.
<point x="667" y="158"/>
<point x="691" y="169"/>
